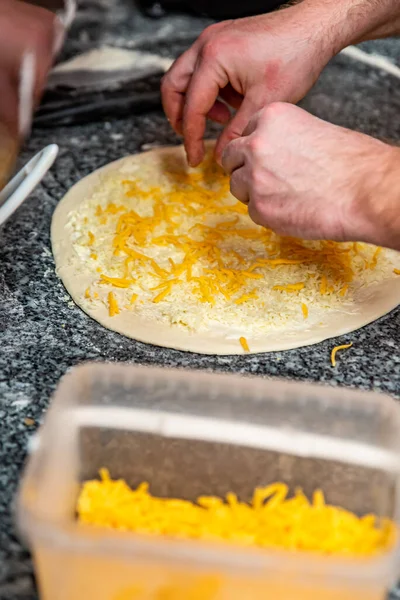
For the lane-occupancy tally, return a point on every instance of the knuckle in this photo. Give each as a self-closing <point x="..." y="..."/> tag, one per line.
<point x="255" y="145"/>
<point x="255" y="214"/>
<point x="165" y="83"/>
<point x="210" y="50"/>
<point x="273" y="110"/>
<point x="209" y="31"/>
<point x="259" y="201"/>
<point x="233" y="182"/>
<point x="169" y="79"/>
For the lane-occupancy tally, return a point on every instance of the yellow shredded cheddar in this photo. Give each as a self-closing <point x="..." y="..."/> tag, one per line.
<point x="133" y="298"/>
<point x="323" y="288"/>
<point x="113" y="308"/>
<point x="87" y="293"/>
<point x="226" y="271"/>
<point x="336" y="349"/>
<point x="163" y="294"/>
<point x="244" y="344"/>
<point x="396" y="271"/>
<point x="290" y="287"/>
<point x="117" y="281"/>
<point x="273" y="518"/>
<point x="252" y="295"/>
<point x="375" y="256"/>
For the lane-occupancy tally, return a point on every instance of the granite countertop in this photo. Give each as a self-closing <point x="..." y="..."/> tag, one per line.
<point x="43" y="333"/>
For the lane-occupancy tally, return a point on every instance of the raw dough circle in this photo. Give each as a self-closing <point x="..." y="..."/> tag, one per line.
<point x="369" y="303"/>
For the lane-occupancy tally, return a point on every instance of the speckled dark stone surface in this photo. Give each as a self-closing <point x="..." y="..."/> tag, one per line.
<point x="43" y="334"/>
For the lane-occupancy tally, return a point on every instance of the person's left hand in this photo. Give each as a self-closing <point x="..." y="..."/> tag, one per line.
<point x="306" y="178"/>
<point x="29" y="38"/>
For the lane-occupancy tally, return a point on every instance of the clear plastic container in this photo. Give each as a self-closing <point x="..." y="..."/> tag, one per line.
<point x="191" y="433"/>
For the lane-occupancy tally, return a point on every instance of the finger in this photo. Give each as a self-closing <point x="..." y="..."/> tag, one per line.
<point x="231" y="96"/>
<point x="233" y="156"/>
<point x="239" y="185"/>
<point x="251" y="125"/>
<point x="235" y="127"/>
<point x="219" y="113"/>
<point x="255" y="215"/>
<point x="200" y="98"/>
<point x="174" y="85"/>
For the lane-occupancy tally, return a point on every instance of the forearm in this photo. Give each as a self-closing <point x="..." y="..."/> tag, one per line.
<point x="341" y="23"/>
<point x="383" y="17"/>
<point x="381" y="199"/>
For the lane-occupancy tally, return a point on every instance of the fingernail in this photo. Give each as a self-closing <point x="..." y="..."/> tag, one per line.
<point x="67" y="15"/>
<point x="192" y="162"/>
<point x="27" y="78"/>
<point x="58" y="35"/>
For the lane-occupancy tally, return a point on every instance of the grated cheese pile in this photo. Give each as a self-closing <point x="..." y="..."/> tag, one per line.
<point x="170" y="244"/>
<point x="271" y="520"/>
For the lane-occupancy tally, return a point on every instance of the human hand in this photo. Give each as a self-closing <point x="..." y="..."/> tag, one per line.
<point x="248" y="63"/>
<point x="25" y="30"/>
<point x="306" y="178"/>
<point x="30" y="37"/>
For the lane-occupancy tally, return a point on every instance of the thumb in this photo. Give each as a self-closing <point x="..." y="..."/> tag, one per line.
<point x="236" y="126"/>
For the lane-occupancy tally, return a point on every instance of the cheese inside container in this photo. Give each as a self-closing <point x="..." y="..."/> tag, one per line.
<point x="191" y="434"/>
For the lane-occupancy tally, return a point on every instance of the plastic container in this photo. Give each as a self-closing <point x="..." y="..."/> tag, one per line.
<point x="191" y="433"/>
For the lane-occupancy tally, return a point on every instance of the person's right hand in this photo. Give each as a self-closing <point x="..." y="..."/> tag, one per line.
<point x="248" y="63"/>
<point x="306" y="178"/>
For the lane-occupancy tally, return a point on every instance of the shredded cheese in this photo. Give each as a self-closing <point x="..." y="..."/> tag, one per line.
<point x="164" y="293"/>
<point x="186" y="238"/>
<point x="304" y="309"/>
<point x="375" y="256"/>
<point x="396" y="271"/>
<point x="323" y="288"/>
<point x="251" y="296"/>
<point x="290" y="287"/>
<point x="113" y="305"/>
<point x="244" y="344"/>
<point x="272" y="519"/>
<point x="336" y="349"/>
<point x="118" y="282"/>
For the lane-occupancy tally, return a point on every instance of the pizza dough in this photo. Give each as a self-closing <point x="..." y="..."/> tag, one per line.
<point x="165" y="255"/>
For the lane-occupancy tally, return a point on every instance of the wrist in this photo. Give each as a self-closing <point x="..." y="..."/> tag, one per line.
<point x="344" y="22"/>
<point x="380" y="198"/>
